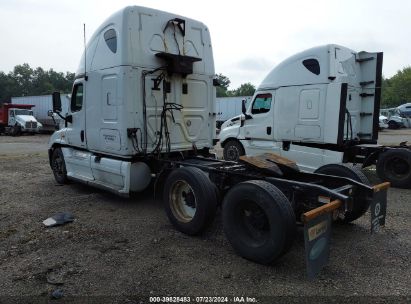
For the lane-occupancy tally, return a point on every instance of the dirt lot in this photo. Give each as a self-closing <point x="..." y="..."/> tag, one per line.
<point x="121" y="250"/>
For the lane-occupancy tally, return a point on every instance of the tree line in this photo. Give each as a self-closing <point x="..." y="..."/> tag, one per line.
<point x="246" y="89"/>
<point x="397" y="89"/>
<point x="25" y="81"/>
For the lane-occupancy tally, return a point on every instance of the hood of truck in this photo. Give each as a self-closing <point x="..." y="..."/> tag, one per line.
<point x="22" y="119"/>
<point x="229" y="129"/>
<point x="231" y="122"/>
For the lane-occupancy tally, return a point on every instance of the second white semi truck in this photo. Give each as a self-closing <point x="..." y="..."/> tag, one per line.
<point x="319" y="107"/>
<point x="143" y="111"/>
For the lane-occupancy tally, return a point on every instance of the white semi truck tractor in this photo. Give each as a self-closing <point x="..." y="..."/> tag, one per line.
<point x="319" y="108"/>
<point x="143" y="111"/>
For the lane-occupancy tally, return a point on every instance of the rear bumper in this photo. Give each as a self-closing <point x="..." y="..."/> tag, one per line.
<point x="380" y="196"/>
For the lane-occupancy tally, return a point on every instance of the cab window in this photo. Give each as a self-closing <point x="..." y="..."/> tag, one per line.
<point x="77" y="98"/>
<point x="312" y="65"/>
<point x="111" y="40"/>
<point x="261" y="104"/>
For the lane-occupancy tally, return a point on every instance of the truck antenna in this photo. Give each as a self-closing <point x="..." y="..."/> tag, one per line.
<point x="85" y="54"/>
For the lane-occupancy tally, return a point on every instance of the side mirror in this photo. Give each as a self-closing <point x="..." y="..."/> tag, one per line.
<point x="50" y="113"/>
<point x="56" y="102"/>
<point x="242" y="120"/>
<point x="243" y="107"/>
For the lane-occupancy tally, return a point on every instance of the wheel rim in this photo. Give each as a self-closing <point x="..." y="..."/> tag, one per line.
<point x="58" y="166"/>
<point x="252" y="222"/>
<point x="232" y="153"/>
<point x="397" y="168"/>
<point x="183" y="202"/>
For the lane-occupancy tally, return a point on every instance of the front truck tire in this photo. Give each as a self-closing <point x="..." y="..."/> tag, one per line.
<point x="393" y="125"/>
<point x="190" y="200"/>
<point x="394" y="166"/>
<point x="360" y="205"/>
<point x="58" y="166"/>
<point x="16" y="130"/>
<point x="258" y="221"/>
<point x="233" y="149"/>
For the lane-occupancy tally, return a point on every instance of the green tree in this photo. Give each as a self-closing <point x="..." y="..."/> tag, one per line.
<point x="41" y="82"/>
<point x="8" y="86"/>
<point x="23" y="75"/>
<point x="24" y="81"/>
<point x="246" y="89"/>
<point x="397" y="89"/>
<point x="224" y="83"/>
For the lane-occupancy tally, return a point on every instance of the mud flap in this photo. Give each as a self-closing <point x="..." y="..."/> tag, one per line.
<point x="317" y="236"/>
<point x="378" y="207"/>
<point x="317" y="228"/>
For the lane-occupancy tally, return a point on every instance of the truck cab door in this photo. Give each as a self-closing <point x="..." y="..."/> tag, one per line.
<point x="12" y="118"/>
<point x="76" y="129"/>
<point x="259" y="125"/>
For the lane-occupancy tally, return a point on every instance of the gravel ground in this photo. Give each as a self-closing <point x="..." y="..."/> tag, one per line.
<point x="120" y="250"/>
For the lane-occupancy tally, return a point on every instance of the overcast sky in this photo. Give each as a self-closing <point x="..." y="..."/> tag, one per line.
<point x="249" y="37"/>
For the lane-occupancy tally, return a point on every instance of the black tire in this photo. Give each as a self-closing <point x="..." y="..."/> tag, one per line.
<point x="58" y="166"/>
<point x="258" y="221"/>
<point x="185" y="189"/>
<point x="360" y="204"/>
<point x="233" y="149"/>
<point x="393" y="125"/>
<point x="394" y="166"/>
<point x="16" y="131"/>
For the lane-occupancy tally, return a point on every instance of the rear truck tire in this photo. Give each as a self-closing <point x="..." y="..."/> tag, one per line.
<point x="233" y="149"/>
<point x="393" y="125"/>
<point x="189" y="200"/>
<point x="258" y="221"/>
<point x="394" y="166"/>
<point x="360" y="204"/>
<point x="58" y="166"/>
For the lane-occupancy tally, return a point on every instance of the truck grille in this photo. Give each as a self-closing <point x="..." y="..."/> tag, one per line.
<point x="31" y="125"/>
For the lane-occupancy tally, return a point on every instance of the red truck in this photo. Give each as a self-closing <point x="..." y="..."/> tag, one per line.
<point x="16" y="119"/>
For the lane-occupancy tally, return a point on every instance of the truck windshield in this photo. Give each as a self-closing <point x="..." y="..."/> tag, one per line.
<point x="23" y="112"/>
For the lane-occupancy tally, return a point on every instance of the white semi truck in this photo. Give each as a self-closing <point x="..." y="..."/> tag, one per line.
<point x="319" y="107"/>
<point x="143" y="110"/>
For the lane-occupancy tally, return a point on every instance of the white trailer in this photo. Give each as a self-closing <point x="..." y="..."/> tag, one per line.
<point x="143" y="109"/>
